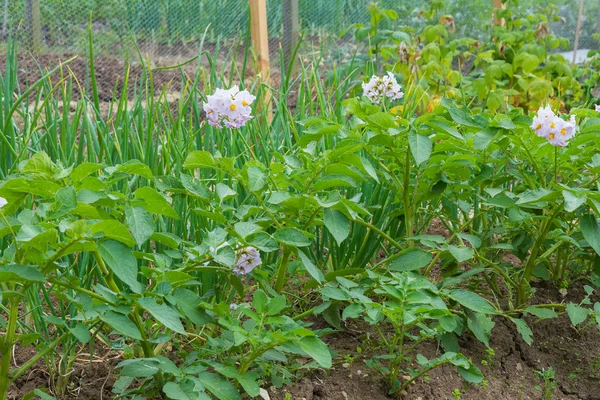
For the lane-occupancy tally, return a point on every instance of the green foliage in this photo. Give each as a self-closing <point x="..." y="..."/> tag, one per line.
<point x="425" y="219"/>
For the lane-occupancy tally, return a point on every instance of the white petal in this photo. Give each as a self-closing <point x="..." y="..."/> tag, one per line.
<point x="264" y="394"/>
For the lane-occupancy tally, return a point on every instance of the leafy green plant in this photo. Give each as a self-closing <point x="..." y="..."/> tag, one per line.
<point x="416" y="311"/>
<point x="548" y="385"/>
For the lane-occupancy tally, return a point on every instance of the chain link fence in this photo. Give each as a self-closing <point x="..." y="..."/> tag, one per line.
<point x="171" y="30"/>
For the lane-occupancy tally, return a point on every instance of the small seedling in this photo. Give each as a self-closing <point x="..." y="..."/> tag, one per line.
<point x="456" y="394"/>
<point x="549" y="383"/>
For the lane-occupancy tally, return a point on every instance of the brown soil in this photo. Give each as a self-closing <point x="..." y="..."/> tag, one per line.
<point x="89" y="380"/>
<point x="109" y="74"/>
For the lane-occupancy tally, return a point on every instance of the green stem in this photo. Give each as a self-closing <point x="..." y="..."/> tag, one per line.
<point x="285" y="259"/>
<point x="80" y="290"/>
<point x="556" y="164"/>
<point x="105" y="272"/>
<point x="380" y="232"/>
<point x="531" y="261"/>
<point x="408" y="223"/>
<point x="33" y="360"/>
<point x="421" y="373"/>
<point x="6" y="347"/>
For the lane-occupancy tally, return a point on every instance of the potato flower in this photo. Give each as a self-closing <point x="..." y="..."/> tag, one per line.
<point x="597" y="107"/>
<point x="3" y="202"/>
<point x="379" y="87"/>
<point x="248" y="258"/>
<point x="548" y="125"/>
<point x="229" y="108"/>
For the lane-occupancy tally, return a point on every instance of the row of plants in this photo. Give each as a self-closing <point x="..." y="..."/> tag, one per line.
<point x="202" y="241"/>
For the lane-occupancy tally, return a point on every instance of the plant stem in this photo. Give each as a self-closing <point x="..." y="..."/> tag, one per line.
<point x="408" y="223"/>
<point x="281" y="272"/>
<point x="31" y="362"/>
<point x="556" y="164"/>
<point x="531" y="261"/>
<point x="6" y="347"/>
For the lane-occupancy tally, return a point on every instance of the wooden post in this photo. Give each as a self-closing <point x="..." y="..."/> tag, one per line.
<point x="498" y="5"/>
<point x="34" y="35"/>
<point x="291" y="30"/>
<point x="260" y="40"/>
<point x="260" y="34"/>
<point x="578" y="31"/>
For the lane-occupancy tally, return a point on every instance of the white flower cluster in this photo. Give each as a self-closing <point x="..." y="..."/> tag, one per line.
<point x="598" y="108"/>
<point x="229" y="108"/>
<point x="550" y="126"/>
<point x="379" y="87"/>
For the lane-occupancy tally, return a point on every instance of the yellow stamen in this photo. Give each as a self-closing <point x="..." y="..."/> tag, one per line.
<point x="552" y="124"/>
<point x="244" y="103"/>
<point x="537" y="128"/>
<point x="551" y="136"/>
<point x="232" y="107"/>
<point x="563" y="131"/>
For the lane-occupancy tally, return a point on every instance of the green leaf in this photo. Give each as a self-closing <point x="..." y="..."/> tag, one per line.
<point x="135" y="167"/>
<point x="259" y="301"/>
<point x="245" y="229"/>
<point x="65" y="202"/>
<point x="39" y="164"/>
<point x="122" y="263"/>
<point x="420" y="147"/>
<point x="591" y="231"/>
<point x="311" y="268"/>
<point x="411" y="260"/>
<point x="219" y="387"/>
<point x="42" y="395"/>
<point x="140" y="223"/>
<point x="573" y="202"/>
<point x="316" y="349"/>
<point x="542" y="313"/>
<point x="472" y="301"/>
<point x="524" y="330"/>
<point x="481" y="326"/>
<point x="483" y="138"/>
<point x="337" y="224"/>
<point x="84" y="170"/>
<point x="155" y="202"/>
<point x="189" y="302"/>
<point x="225" y="192"/>
<point x="291" y="237"/>
<point x="122" y="324"/>
<point x="247" y="380"/>
<point x="199" y="159"/>
<point x="115" y="230"/>
<point x="81" y="333"/>
<point x="577" y="314"/>
<point x="139" y="367"/>
<point x="176" y="391"/>
<point x="471" y="375"/>
<point x="461" y="254"/>
<point x="256" y="178"/>
<point x="263" y="241"/>
<point x="20" y="273"/>
<point x="163" y="313"/>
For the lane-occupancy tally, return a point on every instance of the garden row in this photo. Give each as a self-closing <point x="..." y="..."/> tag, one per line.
<point x="201" y="240"/>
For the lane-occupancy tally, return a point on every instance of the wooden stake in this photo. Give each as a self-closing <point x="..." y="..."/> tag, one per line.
<point x="260" y="34"/>
<point x="260" y="40"/>
<point x="32" y="11"/>
<point x="498" y="5"/>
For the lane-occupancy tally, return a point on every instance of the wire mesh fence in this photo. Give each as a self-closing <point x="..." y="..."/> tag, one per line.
<point x="174" y="28"/>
